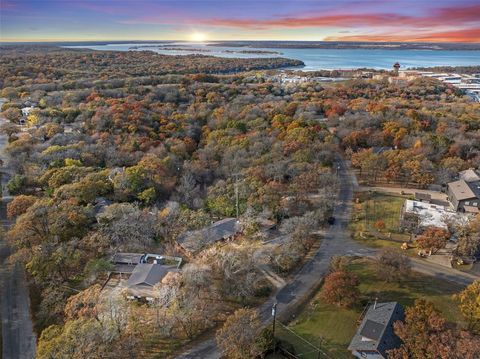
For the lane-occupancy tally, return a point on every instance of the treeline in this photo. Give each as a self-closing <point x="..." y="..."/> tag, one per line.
<point x="19" y="67"/>
<point x="452" y="69"/>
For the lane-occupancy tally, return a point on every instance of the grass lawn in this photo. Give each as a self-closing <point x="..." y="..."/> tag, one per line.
<point x="372" y="207"/>
<point x="338" y="325"/>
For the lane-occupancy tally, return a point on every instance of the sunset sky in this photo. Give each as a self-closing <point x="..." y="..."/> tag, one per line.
<point x="350" y="20"/>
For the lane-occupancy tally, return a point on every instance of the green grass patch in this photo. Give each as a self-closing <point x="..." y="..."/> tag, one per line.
<point x="334" y="327"/>
<point x="372" y="207"/>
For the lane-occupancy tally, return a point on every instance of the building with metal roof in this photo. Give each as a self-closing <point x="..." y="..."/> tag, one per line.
<point x="194" y="241"/>
<point x="375" y="335"/>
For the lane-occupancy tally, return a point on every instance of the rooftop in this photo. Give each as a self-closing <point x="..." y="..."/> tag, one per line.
<point x="431" y="214"/>
<point x="148" y="274"/>
<point x="469" y="175"/>
<point x="462" y="189"/>
<point x="127" y="258"/>
<point x="376" y="329"/>
<point x="194" y="241"/>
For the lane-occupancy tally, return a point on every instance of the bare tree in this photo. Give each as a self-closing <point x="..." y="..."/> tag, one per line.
<point x="393" y="265"/>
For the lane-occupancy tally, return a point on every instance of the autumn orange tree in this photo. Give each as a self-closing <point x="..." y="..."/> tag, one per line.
<point x="469" y="305"/>
<point x="19" y="205"/>
<point x="341" y="288"/>
<point x="433" y="239"/>
<point x="426" y="335"/>
<point x="379" y="224"/>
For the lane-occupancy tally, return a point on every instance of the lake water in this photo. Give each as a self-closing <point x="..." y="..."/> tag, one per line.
<point x="316" y="59"/>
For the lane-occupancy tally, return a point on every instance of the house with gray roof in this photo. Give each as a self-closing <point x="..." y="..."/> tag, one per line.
<point x="193" y="242"/>
<point x="144" y="277"/>
<point x="375" y="335"/>
<point x="147" y="274"/>
<point x="464" y="194"/>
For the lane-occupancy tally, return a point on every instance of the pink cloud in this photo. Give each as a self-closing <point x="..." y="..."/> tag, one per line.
<point x="464" y="35"/>
<point x="348" y="20"/>
<point x="7" y="5"/>
<point x="453" y="16"/>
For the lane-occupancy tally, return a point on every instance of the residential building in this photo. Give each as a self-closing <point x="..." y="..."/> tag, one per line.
<point x="375" y="335"/>
<point x="193" y="242"/>
<point x="464" y="194"/>
<point x="144" y="277"/>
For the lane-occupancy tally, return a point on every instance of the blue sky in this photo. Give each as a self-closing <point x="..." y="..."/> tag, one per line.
<point x="351" y="20"/>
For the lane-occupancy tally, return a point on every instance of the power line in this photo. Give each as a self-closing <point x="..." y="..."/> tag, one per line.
<point x="317" y="349"/>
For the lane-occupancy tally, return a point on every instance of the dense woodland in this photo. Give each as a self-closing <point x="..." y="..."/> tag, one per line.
<point x="126" y="150"/>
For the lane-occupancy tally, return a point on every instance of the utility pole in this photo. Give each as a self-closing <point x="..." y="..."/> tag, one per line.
<point x="236" y="196"/>
<point x="366" y="213"/>
<point x="237" y="209"/>
<point x="274" y="315"/>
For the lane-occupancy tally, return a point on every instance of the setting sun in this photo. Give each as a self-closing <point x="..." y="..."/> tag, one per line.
<point x="198" y="37"/>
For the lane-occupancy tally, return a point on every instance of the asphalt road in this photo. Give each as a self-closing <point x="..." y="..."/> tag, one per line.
<point x="17" y="330"/>
<point x="441" y="272"/>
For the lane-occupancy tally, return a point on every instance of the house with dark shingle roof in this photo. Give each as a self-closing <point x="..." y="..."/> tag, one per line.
<point x="375" y="335"/>
<point x="464" y="194"/>
<point x="193" y="242"/>
<point x="147" y="274"/>
<point x="144" y="277"/>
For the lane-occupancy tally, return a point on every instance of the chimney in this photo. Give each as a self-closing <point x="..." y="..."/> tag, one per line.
<point x="375" y="304"/>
